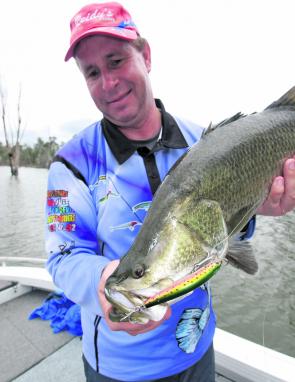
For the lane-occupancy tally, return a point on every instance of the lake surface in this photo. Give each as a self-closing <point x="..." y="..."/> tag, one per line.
<point x="260" y="308"/>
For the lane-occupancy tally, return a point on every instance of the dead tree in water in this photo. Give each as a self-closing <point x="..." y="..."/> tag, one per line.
<point x="13" y="146"/>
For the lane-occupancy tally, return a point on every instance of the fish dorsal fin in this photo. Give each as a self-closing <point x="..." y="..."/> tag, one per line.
<point x="207" y="130"/>
<point x="287" y="100"/>
<point x="226" y="121"/>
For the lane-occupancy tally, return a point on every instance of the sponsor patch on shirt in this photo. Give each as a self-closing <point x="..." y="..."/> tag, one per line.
<point x="61" y="216"/>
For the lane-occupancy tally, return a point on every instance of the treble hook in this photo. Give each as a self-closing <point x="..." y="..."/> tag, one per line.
<point x="135" y="310"/>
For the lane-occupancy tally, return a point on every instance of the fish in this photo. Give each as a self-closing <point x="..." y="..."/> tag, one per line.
<point x="194" y="222"/>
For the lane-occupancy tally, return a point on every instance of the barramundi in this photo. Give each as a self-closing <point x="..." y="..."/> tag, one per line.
<point x="206" y="199"/>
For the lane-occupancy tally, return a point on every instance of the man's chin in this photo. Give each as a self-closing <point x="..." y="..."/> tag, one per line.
<point x="124" y="120"/>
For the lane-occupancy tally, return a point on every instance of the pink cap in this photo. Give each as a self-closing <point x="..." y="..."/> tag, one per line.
<point x="110" y="19"/>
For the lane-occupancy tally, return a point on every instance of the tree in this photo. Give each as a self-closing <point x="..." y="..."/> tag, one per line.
<point x="38" y="155"/>
<point x="12" y="145"/>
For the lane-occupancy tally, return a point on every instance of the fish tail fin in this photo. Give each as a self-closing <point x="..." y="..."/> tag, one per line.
<point x="240" y="255"/>
<point x="287" y="100"/>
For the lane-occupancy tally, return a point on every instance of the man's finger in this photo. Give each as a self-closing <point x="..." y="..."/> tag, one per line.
<point x="288" y="199"/>
<point x="276" y="191"/>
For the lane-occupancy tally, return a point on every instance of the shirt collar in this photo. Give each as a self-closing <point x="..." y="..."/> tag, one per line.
<point x="123" y="148"/>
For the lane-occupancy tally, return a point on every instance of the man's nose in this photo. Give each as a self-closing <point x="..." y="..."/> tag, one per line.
<point x="109" y="81"/>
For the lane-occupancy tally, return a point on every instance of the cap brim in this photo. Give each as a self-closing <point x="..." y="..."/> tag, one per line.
<point x="121" y="33"/>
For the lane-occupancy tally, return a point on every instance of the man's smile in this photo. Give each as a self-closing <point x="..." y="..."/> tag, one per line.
<point x="119" y="98"/>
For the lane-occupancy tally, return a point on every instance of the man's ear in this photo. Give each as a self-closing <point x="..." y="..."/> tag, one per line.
<point x="147" y="56"/>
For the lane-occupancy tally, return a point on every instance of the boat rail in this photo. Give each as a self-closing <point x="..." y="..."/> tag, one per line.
<point x="19" y="275"/>
<point x="237" y="359"/>
<point x="5" y="260"/>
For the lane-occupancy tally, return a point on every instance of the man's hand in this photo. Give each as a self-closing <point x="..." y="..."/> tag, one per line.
<point x="128" y="327"/>
<point x="281" y="198"/>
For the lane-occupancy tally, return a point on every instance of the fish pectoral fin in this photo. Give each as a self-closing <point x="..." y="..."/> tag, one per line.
<point x="240" y="255"/>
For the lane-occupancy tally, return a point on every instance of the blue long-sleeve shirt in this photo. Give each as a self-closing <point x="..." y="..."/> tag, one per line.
<point x="98" y="196"/>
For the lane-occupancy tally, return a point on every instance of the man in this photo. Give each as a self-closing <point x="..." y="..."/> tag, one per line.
<point x="94" y="183"/>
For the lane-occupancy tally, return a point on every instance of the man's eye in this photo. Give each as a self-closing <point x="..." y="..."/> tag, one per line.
<point x="92" y="74"/>
<point x="115" y="63"/>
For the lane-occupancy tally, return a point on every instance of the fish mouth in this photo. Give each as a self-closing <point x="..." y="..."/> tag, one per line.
<point x="130" y="300"/>
<point x="148" y="302"/>
<point x="129" y="306"/>
<point x="123" y="300"/>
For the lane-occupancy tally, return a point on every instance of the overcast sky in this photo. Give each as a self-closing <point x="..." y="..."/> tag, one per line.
<point x="210" y="59"/>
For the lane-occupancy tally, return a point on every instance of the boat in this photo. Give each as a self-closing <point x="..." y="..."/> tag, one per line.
<point x="30" y="351"/>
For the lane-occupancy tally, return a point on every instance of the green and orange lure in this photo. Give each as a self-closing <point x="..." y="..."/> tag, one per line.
<point x="185" y="285"/>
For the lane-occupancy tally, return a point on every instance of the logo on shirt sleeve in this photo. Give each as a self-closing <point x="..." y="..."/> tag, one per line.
<point x="60" y="215"/>
<point x="129" y="225"/>
<point x="192" y="324"/>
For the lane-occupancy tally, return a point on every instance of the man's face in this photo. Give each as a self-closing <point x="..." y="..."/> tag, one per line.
<point x="116" y="74"/>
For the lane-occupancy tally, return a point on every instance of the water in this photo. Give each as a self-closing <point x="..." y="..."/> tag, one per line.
<point x="22" y="205"/>
<point x="260" y="308"/>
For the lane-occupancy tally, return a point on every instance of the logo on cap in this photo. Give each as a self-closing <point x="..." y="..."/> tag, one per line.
<point x="109" y="18"/>
<point x="103" y="15"/>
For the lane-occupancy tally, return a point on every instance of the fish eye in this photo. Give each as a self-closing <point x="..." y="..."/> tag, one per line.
<point x="138" y="271"/>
